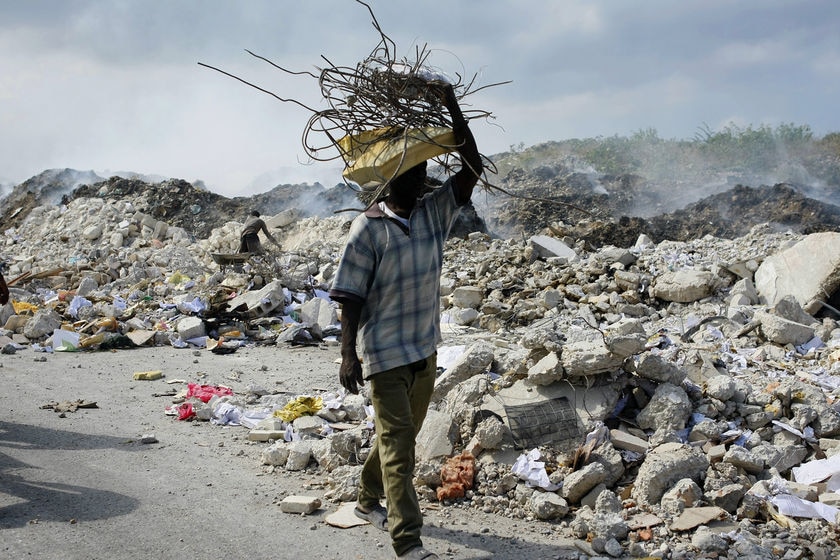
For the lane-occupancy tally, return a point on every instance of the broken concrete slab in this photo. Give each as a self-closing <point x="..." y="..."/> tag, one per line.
<point x="300" y="504"/>
<point x="809" y="271"/>
<point x="683" y="286"/>
<point x="692" y="518"/>
<point x="344" y="518"/>
<point x="260" y="302"/>
<point x="547" y="247"/>
<point x="663" y="466"/>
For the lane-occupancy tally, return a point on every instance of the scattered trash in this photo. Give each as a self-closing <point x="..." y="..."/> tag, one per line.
<point x="148" y="375"/>
<point x="69" y="406"/>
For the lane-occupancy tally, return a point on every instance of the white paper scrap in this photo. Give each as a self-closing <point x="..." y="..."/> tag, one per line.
<point x="528" y="468"/>
<point x="794" y="506"/>
<point x="816" y="471"/>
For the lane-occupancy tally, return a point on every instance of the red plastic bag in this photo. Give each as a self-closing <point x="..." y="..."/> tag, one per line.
<point x="206" y="392"/>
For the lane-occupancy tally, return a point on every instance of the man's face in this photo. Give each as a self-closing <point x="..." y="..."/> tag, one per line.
<point x="412" y="183"/>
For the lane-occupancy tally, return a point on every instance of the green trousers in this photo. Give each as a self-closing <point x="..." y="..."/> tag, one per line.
<point x="400" y="399"/>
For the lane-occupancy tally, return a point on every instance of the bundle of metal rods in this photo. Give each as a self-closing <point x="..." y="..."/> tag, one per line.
<point x="382" y="94"/>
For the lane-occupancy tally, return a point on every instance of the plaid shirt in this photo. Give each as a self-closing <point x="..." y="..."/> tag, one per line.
<point x="396" y="274"/>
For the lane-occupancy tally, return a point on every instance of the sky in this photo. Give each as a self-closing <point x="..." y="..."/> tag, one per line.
<point x="116" y="85"/>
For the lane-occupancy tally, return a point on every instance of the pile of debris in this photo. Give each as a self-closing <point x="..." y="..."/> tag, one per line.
<point x="660" y="398"/>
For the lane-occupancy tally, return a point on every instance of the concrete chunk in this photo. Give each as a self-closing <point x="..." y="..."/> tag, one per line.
<point x="683" y="286"/>
<point x="809" y="271"/>
<point x="623" y="440"/>
<point x="299" y="504"/>
<point x="546" y="247"/>
<point x="665" y="465"/>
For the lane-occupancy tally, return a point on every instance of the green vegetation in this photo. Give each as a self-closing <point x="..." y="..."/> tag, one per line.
<point x="789" y="152"/>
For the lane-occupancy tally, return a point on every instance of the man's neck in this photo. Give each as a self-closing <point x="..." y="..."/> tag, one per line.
<point x="400" y="208"/>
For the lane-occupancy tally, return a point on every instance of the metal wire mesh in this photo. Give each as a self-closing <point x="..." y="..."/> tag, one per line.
<point x="549" y="422"/>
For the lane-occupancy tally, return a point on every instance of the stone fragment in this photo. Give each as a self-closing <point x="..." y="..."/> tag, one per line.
<point x="548" y="505"/>
<point x="41" y="324"/>
<point x="807" y="271"/>
<point x="468" y="297"/>
<point x="743" y="458"/>
<point x="546" y="371"/>
<point x="781" y="458"/>
<point x="190" y="327"/>
<point x="665" y="465"/>
<point x="727" y="497"/>
<point x="683" y="286"/>
<point x="260" y="302"/>
<point x="578" y="483"/>
<point x="318" y="311"/>
<point x="684" y="494"/>
<point x="546" y="247"/>
<point x="708" y="542"/>
<point x="623" y="440"/>
<point x="300" y="453"/>
<point x="746" y="288"/>
<point x="437" y="436"/>
<point x="276" y="454"/>
<point x="669" y="408"/>
<point x="591" y="497"/>
<point x="720" y="387"/>
<point x="657" y="368"/>
<point x="300" y="504"/>
<point x="788" y="308"/>
<point x="475" y="359"/>
<point x="309" y="425"/>
<point x="585" y="358"/>
<point x="781" y="331"/>
<point x="695" y="517"/>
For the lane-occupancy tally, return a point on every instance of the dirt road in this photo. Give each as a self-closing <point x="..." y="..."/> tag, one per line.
<point x="82" y="485"/>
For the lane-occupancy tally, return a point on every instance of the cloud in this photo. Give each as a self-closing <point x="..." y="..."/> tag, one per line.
<point x="115" y="84"/>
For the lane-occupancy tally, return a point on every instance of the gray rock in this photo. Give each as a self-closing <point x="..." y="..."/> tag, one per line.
<point x="42" y="324"/>
<point x="578" y="483"/>
<point x="468" y="297"/>
<point x="728" y="497"/>
<point x="665" y="465"/>
<point x="657" y="368"/>
<point x="437" y="436"/>
<point x="318" y="311"/>
<point x="300" y="452"/>
<point x="546" y="371"/>
<point x="781" y="331"/>
<point x="548" y="505"/>
<point x="669" y="408"/>
<point x="708" y="542"/>
<point x="807" y="271"/>
<point x="720" y="387"/>
<point x="546" y="247"/>
<point x="743" y="458"/>
<point x="683" y="286"/>
<point x="475" y="359"/>
<point x="585" y="358"/>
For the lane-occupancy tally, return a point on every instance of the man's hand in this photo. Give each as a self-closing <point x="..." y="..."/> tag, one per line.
<point x="4" y="291"/>
<point x="350" y="374"/>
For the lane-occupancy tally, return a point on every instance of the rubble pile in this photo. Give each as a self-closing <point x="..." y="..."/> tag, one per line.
<point x="669" y="398"/>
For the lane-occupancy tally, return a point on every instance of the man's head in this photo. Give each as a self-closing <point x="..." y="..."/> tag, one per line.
<point x="412" y="183"/>
<point x="255" y="214"/>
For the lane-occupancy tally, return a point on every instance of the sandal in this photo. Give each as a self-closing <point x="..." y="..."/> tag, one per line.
<point x="419" y="553"/>
<point x="377" y="516"/>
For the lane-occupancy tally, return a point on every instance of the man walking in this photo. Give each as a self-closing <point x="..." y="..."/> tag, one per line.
<point x="388" y="284"/>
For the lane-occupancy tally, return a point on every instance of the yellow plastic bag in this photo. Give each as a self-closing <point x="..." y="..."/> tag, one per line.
<point x="22" y="307"/>
<point x="301" y="406"/>
<point x="372" y="161"/>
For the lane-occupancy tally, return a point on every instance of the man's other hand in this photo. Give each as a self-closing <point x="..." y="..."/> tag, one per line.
<point x="350" y="374"/>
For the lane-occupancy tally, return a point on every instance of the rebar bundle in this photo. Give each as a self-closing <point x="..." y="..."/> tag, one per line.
<point x="382" y="101"/>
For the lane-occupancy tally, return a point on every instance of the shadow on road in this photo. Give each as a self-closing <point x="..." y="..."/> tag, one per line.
<point x="487" y="546"/>
<point x="53" y="501"/>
